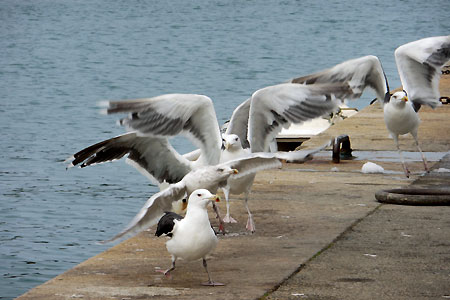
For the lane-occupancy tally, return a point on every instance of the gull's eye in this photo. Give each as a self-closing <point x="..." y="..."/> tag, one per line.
<point x="184" y="200"/>
<point x="220" y="169"/>
<point x="236" y="139"/>
<point x="199" y="195"/>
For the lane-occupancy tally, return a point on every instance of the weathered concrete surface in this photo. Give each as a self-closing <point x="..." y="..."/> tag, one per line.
<point x="299" y="211"/>
<point x="396" y="252"/>
<point x="293" y="223"/>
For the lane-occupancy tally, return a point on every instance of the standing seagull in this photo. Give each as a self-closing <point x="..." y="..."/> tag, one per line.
<point x="233" y="154"/>
<point x="233" y="150"/>
<point x="191" y="237"/>
<point x="419" y="64"/>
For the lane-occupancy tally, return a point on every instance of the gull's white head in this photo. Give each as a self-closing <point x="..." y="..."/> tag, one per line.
<point x="201" y="198"/>
<point x="226" y="170"/>
<point x="223" y="172"/>
<point x="399" y="98"/>
<point x="231" y="142"/>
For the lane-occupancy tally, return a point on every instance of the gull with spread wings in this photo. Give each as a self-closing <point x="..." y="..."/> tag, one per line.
<point x="419" y="65"/>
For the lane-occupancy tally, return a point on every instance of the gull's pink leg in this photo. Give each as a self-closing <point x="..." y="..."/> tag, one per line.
<point x="405" y="168"/>
<point x="421" y="153"/>
<point x="221" y="223"/>
<point x="228" y="218"/>
<point x="167" y="272"/>
<point x="250" y="224"/>
<point x="210" y="282"/>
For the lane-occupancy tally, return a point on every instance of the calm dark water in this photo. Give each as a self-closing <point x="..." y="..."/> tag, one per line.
<point x="59" y="58"/>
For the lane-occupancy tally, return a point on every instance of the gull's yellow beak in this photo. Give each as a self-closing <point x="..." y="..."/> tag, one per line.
<point x="235" y="171"/>
<point x="227" y="145"/>
<point x="405" y="98"/>
<point x="215" y="198"/>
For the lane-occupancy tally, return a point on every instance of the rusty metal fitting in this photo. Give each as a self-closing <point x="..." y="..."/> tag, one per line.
<point x="341" y="148"/>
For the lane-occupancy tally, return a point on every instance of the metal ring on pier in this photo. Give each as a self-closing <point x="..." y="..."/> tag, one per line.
<point x="414" y="196"/>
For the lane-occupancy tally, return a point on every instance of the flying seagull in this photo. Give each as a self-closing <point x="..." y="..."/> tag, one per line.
<point x="191" y="237"/>
<point x="419" y="65"/>
<point x="259" y="119"/>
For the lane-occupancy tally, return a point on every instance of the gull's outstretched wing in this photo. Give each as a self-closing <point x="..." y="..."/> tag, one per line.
<point x="280" y="105"/>
<point x="239" y="122"/>
<point x="152" y="156"/>
<point x="173" y="114"/>
<point x="259" y="161"/>
<point x="153" y="210"/>
<point x="419" y="65"/>
<point x="253" y="163"/>
<point x="301" y="156"/>
<point x="360" y="73"/>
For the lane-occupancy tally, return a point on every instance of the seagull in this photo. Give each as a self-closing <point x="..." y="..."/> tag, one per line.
<point x="152" y="121"/>
<point x="400" y="118"/>
<point x="233" y="149"/>
<point x="259" y="119"/>
<point x="419" y="65"/>
<point x="191" y="237"/>
<point x="210" y="178"/>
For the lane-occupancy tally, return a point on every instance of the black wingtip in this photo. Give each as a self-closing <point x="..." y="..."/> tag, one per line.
<point x="387" y="97"/>
<point x="416" y="106"/>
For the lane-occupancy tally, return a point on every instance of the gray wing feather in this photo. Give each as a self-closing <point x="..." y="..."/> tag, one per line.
<point x="173" y="114"/>
<point x="419" y="65"/>
<point x="239" y="122"/>
<point x="152" y="156"/>
<point x="360" y="73"/>
<point x="301" y="156"/>
<point x="259" y="161"/>
<point x="253" y="163"/>
<point x="153" y="209"/>
<point x="278" y="106"/>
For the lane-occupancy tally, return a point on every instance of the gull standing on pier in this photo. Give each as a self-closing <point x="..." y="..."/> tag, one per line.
<point x="419" y="65"/>
<point x="191" y="237"/>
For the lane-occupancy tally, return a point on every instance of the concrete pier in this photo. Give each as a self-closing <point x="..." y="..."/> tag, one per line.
<point x="320" y="233"/>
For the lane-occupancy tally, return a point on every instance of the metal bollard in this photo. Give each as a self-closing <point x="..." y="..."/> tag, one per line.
<point x="345" y="150"/>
